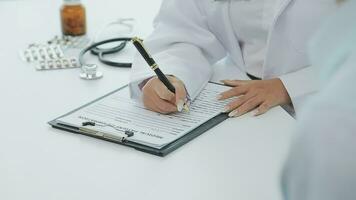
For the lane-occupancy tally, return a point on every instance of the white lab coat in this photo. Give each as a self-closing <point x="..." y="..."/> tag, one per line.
<point x="191" y="35"/>
<point x="322" y="161"/>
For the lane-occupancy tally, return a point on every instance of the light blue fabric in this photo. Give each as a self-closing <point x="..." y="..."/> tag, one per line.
<point x="334" y="41"/>
<point x="322" y="160"/>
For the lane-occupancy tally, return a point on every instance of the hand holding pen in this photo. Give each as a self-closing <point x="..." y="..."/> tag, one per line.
<point x="164" y="94"/>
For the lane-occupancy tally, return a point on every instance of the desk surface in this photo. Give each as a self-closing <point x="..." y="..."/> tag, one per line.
<point x="239" y="159"/>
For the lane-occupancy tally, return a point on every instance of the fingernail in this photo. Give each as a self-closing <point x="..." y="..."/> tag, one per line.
<point x="226" y="109"/>
<point x="186" y="107"/>
<point x="180" y="105"/>
<point x="187" y="103"/>
<point x="255" y="112"/>
<point x="233" y="113"/>
<point x="219" y="97"/>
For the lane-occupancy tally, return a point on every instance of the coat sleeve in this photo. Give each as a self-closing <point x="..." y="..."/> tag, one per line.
<point x="300" y="85"/>
<point x="322" y="163"/>
<point x="182" y="45"/>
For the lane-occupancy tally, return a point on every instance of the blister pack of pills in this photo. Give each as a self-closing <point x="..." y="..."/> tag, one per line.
<point x="59" y="63"/>
<point x="48" y="57"/>
<point x="57" y="53"/>
<point x="35" y="53"/>
<point x="78" y="42"/>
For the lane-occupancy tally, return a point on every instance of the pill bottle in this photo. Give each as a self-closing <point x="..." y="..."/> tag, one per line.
<point x="73" y="18"/>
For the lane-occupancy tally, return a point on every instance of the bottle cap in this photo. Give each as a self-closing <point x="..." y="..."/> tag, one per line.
<point x="72" y="1"/>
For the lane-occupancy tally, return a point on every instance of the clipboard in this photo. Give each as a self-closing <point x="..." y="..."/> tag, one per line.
<point x="144" y="148"/>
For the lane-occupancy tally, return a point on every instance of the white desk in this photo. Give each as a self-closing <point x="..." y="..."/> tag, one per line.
<point x="239" y="159"/>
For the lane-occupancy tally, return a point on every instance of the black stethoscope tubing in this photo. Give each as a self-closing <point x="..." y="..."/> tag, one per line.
<point x="100" y="52"/>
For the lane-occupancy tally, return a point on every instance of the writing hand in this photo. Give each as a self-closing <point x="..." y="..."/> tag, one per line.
<point x="158" y="98"/>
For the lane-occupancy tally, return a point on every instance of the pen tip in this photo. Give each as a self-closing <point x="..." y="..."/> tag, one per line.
<point x="186" y="108"/>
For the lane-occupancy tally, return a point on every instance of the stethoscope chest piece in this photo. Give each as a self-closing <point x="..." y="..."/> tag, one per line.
<point x="90" y="72"/>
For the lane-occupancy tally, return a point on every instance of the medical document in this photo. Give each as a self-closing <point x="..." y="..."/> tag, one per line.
<point x="117" y="113"/>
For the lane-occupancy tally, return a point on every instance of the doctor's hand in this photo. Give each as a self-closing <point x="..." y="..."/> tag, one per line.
<point x="254" y="94"/>
<point x="158" y="98"/>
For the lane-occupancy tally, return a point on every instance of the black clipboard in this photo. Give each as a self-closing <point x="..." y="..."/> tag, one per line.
<point x="158" y="152"/>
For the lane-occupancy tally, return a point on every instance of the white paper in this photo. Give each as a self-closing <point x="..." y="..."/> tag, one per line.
<point x="118" y="112"/>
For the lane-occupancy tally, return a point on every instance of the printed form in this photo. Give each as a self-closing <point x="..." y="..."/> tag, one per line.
<point x="117" y="113"/>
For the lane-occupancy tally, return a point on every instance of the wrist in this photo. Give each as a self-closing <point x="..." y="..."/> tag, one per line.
<point x="285" y="98"/>
<point x="144" y="82"/>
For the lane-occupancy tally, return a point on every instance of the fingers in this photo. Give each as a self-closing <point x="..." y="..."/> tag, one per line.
<point x="268" y="93"/>
<point x="236" y="91"/>
<point x="234" y="83"/>
<point x="157" y="97"/>
<point x="162" y="91"/>
<point x="247" y="106"/>
<point x="180" y="96"/>
<point x="238" y="102"/>
<point x="263" y="108"/>
<point x="155" y="103"/>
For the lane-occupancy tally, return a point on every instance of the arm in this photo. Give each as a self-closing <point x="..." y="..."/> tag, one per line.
<point x="321" y="163"/>
<point x="182" y="45"/>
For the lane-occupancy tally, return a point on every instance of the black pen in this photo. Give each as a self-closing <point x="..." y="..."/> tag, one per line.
<point x="137" y="42"/>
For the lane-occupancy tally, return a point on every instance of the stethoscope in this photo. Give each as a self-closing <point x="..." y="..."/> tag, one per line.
<point x="90" y="71"/>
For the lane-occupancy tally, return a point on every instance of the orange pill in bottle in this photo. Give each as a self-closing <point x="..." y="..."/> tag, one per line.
<point x="73" y="18"/>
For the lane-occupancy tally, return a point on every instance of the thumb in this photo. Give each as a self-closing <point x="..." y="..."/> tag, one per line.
<point x="181" y="96"/>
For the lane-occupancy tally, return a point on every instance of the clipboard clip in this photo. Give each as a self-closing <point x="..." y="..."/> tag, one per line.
<point x="124" y="134"/>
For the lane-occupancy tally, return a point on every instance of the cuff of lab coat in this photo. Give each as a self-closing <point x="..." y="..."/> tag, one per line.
<point x="300" y="85"/>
